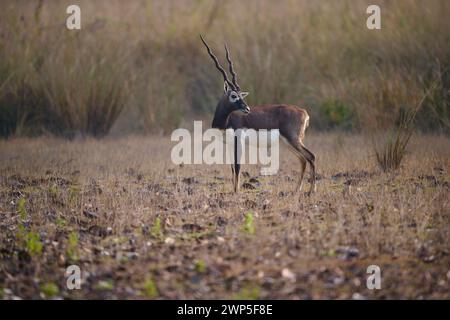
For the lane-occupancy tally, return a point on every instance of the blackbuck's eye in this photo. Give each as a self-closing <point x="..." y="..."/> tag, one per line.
<point x="234" y="96"/>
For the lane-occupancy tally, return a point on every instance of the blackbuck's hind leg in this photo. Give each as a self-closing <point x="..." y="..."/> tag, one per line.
<point x="300" y="181"/>
<point x="311" y="158"/>
<point x="305" y="156"/>
<point x="303" y="163"/>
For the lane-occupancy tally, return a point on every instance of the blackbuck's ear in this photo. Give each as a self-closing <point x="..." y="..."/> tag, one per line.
<point x="243" y="94"/>
<point x="225" y="87"/>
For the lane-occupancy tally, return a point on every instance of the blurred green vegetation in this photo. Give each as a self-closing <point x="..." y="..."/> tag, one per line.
<point x="138" y="66"/>
<point x="337" y="114"/>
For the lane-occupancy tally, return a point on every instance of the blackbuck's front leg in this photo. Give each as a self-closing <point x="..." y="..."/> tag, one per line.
<point x="232" y="173"/>
<point x="237" y="169"/>
<point x="237" y="166"/>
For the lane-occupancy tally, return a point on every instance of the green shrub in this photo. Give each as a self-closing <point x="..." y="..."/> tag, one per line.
<point x="337" y="114"/>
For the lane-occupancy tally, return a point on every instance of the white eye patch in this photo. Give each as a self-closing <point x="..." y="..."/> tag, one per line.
<point x="233" y="97"/>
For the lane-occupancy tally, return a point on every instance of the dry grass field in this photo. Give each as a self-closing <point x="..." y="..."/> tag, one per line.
<point x="140" y="227"/>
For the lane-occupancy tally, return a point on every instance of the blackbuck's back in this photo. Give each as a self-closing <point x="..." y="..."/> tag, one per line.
<point x="289" y="119"/>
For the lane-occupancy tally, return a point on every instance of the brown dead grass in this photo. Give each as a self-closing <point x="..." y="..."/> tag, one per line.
<point x="111" y="192"/>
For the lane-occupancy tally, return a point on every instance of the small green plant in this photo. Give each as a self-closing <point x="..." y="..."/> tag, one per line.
<point x="329" y="253"/>
<point x="33" y="244"/>
<point x="21" y="209"/>
<point x="21" y="234"/>
<point x="156" y="228"/>
<point x="61" y="222"/>
<point x="53" y="191"/>
<point x="74" y="193"/>
<point x="104" y="285"/>
<point x="248" y="292"/>
<point x="72" y="245"/>
<point x="249" y="226"/>
<point x="49" y="289"/>
<point x="150" y="289"/>
<point x="30" y="240"/>
<point x="200" y="266"/>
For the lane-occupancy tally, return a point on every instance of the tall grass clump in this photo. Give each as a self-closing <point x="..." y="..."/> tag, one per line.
<point x="58" y="81"/>
<point x="389" y="156"/>
<point x="89" y="93"/>
<point x="391" y="151"/>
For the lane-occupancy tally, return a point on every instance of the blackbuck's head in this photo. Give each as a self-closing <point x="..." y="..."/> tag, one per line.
<point x="233" y="94"/>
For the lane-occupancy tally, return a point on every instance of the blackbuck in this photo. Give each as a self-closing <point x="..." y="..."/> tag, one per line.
<point x="233" y="112"/>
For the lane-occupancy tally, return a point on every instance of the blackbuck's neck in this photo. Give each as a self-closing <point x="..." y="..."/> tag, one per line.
<point x="221" y="116"/>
